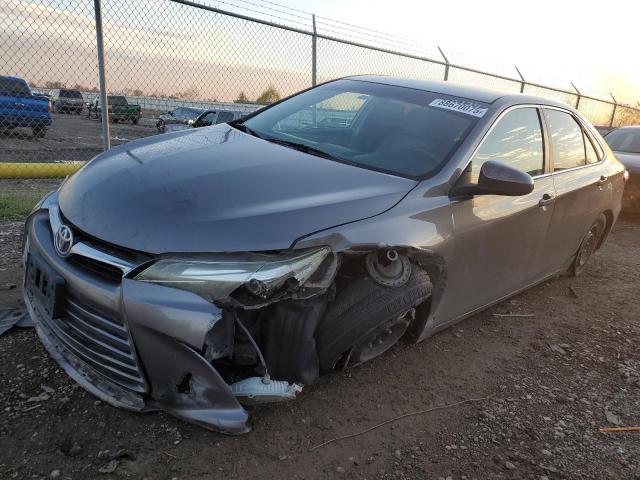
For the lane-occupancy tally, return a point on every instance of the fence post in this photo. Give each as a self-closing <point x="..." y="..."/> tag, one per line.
<point x="314" y="53"/>
<point x="446" y="67"/>
<point x="523" y="82"/>
<point x="106" y="135"/>
<point x="613" y="114"/>
<point x="579" y="95"/>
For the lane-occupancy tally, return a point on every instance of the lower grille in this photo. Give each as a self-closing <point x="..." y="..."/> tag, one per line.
<point x="102" y="343"/>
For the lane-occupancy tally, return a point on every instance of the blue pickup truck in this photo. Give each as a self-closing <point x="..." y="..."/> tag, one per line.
<point x="20" y="108"/>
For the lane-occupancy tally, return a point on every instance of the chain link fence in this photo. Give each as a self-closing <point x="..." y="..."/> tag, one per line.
<point x="176" y="64"/>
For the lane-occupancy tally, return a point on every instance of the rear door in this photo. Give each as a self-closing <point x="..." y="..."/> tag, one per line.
<point x="500" y="239"/>
<point x="581" y="183"/>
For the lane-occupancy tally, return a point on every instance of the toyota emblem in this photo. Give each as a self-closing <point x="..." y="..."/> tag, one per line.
<point x="63" y="241"/>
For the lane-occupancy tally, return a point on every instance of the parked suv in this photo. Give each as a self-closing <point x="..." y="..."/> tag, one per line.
<point x="119" y="109"/>
<point x="65" y="100"/>
<point x="20" y="108"/>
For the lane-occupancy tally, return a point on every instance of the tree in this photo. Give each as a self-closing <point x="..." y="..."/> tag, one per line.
<point x="270" y="95"/>
<point x="191" y="92"/>
<point x="242" y="98"/>
<point x="54" y="84"/>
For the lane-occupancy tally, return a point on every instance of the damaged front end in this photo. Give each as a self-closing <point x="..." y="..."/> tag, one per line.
<point x="195" y="336"/>
<point x="260" y="345"/>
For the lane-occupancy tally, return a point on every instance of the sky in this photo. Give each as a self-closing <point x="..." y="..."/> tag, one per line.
<point x="160" y="47"/>
<point x="595" y="45"/>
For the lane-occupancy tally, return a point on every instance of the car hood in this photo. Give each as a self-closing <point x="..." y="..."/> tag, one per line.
<point x="218" y="189"/>
<point x="631" y="161"/>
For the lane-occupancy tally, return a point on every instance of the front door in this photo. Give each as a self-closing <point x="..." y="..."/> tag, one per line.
<point x="499" y="240"/>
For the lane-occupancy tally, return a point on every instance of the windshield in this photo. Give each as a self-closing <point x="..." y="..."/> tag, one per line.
<point x="13" y="88"/>
<point x="403" y="131"/>
<point x="185" y="113"/>
<point x="624" y="140"/>
<point x="117" y="100"/>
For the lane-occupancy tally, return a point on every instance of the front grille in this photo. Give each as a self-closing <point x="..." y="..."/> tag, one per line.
<point x="102" y="343"/>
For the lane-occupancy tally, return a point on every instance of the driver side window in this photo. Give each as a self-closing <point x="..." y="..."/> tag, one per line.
<point x="516" y="140"/>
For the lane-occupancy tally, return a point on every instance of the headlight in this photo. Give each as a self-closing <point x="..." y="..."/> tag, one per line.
<point x="216" y="278"/>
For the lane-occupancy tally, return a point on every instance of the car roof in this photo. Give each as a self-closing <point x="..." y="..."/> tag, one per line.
<point x="628" y="127"/>
<point x="18" y="79"/>
<point x="458" y="90"/>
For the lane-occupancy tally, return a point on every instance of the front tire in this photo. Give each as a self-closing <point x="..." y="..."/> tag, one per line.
<point x="366" y="319"/>
<point x="589" y="245"/>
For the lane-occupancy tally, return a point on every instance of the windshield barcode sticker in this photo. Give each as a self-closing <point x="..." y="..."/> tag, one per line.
<point x="461" y="106"/>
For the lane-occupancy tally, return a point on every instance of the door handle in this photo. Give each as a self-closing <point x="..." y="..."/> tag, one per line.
<point x="546" y="200"/>
<point x="603" y="179"/>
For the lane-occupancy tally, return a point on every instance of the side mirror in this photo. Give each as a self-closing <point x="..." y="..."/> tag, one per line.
<point x="191" y="121"/>
<point x="498" y="179"/>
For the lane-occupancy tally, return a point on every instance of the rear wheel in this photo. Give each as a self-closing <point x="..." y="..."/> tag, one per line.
<point x="39" y="132"/>
<point x="134" y="121"/>
<point x="589" y="245"/>
<point x="366" y="319"/>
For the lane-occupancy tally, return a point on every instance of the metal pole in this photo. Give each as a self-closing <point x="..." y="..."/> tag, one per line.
<point x="579" y="95"/>
<point x="314" y="53"/>
<point x="106" y="136"/>
<point x="446" y="66"/>
<point x="522" y="83"/>
<point x="613" y="114"/>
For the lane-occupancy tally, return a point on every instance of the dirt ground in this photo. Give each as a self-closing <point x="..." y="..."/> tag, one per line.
<point x="554" y="376"/>
<point x="70" y="138"/>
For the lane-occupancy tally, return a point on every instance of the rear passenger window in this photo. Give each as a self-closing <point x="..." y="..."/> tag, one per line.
<point x="567" y="140"/>
<point x="592" y="156"/>
<point x="516" y="140"/>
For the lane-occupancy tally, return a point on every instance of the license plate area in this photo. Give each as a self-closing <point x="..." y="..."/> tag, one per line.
<point x="44" y="286"/>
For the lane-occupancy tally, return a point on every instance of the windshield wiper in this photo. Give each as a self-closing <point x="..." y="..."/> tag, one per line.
<point x="302" y="147"/>
<point x="243" y="128"/>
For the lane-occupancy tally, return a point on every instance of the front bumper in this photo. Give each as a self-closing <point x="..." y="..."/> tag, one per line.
<point x="132" y="344"/>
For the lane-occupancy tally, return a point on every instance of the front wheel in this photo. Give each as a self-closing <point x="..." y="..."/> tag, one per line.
<point x="589" y="245"/>
<point x="366" y="319"/>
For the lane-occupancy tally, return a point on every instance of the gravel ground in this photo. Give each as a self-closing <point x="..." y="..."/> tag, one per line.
<point x="552" y="378"/>
<point x="70" y="137"/>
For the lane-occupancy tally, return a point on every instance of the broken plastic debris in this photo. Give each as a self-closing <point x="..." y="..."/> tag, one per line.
<point x="18" y="317"/>
<point x="259" y="390"/>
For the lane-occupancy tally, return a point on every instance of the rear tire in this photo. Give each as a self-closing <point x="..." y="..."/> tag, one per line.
<point x="589" y="245"/>
<point x="134" y="121"/>
<point x="364" y="310"/>
<point x="39" y="132"/>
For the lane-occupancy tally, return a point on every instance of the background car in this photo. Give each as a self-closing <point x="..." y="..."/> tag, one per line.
<point x="120" y="110"/>
<point x="20" y="108"/>
<point x="66" y="100"/>
<point x="214" y="117"/>
<point x="625" y="143"/>
<point x="180" y="116"/>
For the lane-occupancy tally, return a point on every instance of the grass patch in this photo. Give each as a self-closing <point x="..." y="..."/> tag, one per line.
<point x="16" y="207"/>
